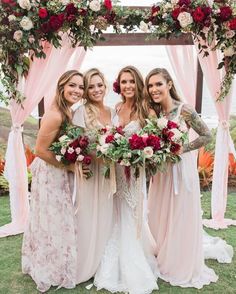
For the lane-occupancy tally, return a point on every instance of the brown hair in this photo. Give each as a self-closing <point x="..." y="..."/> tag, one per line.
<point x="91" y="109"/>
<point x="137" y="107"/>
<point x="148" y="99"/>
<point x="59" y="96"/>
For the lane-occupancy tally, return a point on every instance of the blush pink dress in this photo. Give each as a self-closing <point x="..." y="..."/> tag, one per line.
<point x="174" y="215"/>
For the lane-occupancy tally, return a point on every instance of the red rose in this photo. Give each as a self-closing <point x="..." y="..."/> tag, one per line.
<point x="198" y="15"/>
<point x="154" y="141"/>
<point x="83" y="12"/>
<point x="43" y="13"/>
<point x="109" y="138"/>
<point x="171" y="124"/>
<point x="71" y="157"/>
<point x="110" y="16"/>
<point x="103" y="130"/>
<point x="56" y="21"/>
<point x="71" y="17"/>
<point x="120" y="130"/>
<point x="167" y="134"/>
<point x="108" y="4"/>
<point x="232" y="24"/>
<point x="174" y="148"/>
<point x="116" y="87"/>
<point x="184" y="2"/>
<point x="225" y="13"/>
<point x="136" y="142"/>
<point x="75" y="143"/>
<point x="206" y="10"/>
<point x="71" y="9"/>
<point x="175" y="13"/>
<point x="87" y="160"/>
<point x="83" y="142"/>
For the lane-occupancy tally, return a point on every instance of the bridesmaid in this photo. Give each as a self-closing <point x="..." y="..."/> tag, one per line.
<point x="174" y="196"/>
<point x="95" y="204"/>
<point x="49" y="242"/>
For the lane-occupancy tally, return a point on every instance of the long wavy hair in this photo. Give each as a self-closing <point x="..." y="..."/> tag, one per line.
<point x="149" y="103"/>
<point x="137" y="107"/>
<point x="60" y="100"/>
<point x="92" y="111"/>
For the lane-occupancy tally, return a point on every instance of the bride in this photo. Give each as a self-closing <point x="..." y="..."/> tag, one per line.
<point x="128" y="263"/>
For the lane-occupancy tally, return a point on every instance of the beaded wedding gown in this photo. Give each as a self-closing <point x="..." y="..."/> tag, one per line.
<point x="128" y="263"/>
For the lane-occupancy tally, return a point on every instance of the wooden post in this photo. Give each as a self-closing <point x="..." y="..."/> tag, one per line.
<point x="41" y="110"/>
<point x="199" y="88"/>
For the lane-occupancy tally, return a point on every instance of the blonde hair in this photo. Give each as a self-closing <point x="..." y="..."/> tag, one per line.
<point x="60" y="100"/>
<point x="137" y="107"/>
<point x="92" y="111"/>
<point x="148" y="99"/>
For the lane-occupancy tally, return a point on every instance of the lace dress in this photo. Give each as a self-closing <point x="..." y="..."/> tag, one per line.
<point x="128" y="263"/>
<point x="49" y="242"/>
<point x="176" y="224"/>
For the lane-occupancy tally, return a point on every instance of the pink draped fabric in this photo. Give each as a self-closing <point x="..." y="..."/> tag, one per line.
<point x="184" y="63"/>
<point x="224" y="144"/>
<point x="42" y="74"/>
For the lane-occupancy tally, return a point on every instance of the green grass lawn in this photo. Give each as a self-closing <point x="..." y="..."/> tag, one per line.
<point x="12" y="281"/>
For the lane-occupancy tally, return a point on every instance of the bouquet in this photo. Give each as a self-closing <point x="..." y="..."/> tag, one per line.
<point x="165" y="137"/>
<point x="72" y="146"/>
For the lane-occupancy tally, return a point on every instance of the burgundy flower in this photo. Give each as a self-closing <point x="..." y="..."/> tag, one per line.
<point x="175" y="13"/>
<point x="87" y="159"/>
<point x="172" y="125"/>
<point x="174" y="148"/>
<point x="83" y="12"/>
<point x="71" y="18"/>
<point x="116" y="87"/>
<point x="71" y="157"/>
<point x="225" y="13"/>
<point x="75" y="143"/>
<point x="232" y="24"/>
<point x="103" y="130"/>
<point x="71" y="9"/>
<point x="43" y="13"/>
<point x="167" y="134"/>
<point x="109" y="138"/>
<point x="184" y="2"/>
<point x="83" y="142"/>
<point x="45" y="27"/>
<point x="56" y="21"/>
<point x="206" y="10"/>
<point x="108" y="4"/>
<point x="198" y="15"/>
<point x="154" y="10"/>
<point x="136" y="142"/>
<point x="120" y="130"/>
<point x="154" y="141"/>
<point x="110" y="17"/>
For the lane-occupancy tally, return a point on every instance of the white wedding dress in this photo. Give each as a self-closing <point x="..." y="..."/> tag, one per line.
<point x="128" y="263"/>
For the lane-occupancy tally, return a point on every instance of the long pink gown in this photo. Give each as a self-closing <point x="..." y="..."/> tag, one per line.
<point x="94" y="214"/>
<point x="49" y="244"/>
<point x="176" y="224"/>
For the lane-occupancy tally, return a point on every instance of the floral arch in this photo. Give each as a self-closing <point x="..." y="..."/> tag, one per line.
<point x="29" y="29"/>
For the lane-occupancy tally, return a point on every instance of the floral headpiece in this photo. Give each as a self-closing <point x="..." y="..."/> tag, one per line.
<point x="116" y="87"/>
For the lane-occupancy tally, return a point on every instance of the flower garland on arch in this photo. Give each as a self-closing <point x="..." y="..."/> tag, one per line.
<point x="24" y="24"/>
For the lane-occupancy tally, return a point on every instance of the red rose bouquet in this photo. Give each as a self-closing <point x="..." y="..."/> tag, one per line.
<point x="72" y="146"/>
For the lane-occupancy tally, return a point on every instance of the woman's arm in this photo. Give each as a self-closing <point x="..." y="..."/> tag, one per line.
<point x="194" y="121"/>
<point x="47" y="134"/>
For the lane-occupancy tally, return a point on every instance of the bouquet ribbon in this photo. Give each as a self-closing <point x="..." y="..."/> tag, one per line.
<point x="112" y="180"/>
<point x="78" y="181"/>
<point x="141" y="182"/>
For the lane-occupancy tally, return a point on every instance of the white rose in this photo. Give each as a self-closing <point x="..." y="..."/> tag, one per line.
<point x="31" y="39"/>
<point x="177" y="135"/>
<point x="63" y="150"/>
<point x="229" y="51"/>
<point x="167" y="6"/>
<point x="26" y="23"/>
<point x="104" y="148"/>
<point x="70" y="150"/>
<point x="25" y="4"/>
<point x="117" y="136"/>
<point x="162" y="122"/>
<point x="143" y="26"/>
<point x="95" y="5"/>
<point x="174" y="2"/>
<point x="65" y="2"/>
<point x="63" y="138"/>
<point x="11" y="17"/>
<point x="164" y="15"/>
<point x="77" y="150"/>
<point x="58" y="157"/>
<point x="185" y="19"/>
<point x="102" y="139"/>
<point x="148" y="151"/>
<point x="229" y="34"/>
<point x="18" y="36"/>
<point x="80" y="157"/>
